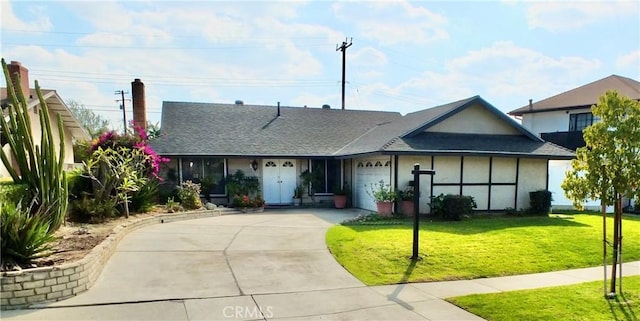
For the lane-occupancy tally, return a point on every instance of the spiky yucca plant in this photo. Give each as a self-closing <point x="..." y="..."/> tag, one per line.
<point x="40" y="166"/>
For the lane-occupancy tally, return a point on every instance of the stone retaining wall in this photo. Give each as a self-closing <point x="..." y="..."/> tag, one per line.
<point x="20" y="289"/>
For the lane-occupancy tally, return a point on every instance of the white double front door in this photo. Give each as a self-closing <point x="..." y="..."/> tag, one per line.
<point x="279" y="180"/>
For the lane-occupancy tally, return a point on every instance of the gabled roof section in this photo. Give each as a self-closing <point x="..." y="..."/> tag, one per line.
<point x="583" y="96"/>
<point x="386" y="137"/>
<point x="55" y="105"/>
<point x="446" y="111"/>
<point x="253" y="130"/>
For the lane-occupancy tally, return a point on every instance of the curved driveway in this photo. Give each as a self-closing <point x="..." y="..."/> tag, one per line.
<point x="265" y="266"/>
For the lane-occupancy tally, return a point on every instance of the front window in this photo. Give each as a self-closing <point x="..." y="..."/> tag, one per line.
<point x="329" y="175"/>
<point x="578" y="122"/>
<point x="169" y="172"/>
<point x="207" y="171"/>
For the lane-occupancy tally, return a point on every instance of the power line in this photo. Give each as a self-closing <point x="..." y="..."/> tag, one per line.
<point x="152" y="48"/>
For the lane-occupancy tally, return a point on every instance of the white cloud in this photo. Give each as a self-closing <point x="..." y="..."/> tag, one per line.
<point x="630" y="62"/>
<point x="105" y="39"/>
<point x="393" y="22"/>
<point x="367" y="56"/>
<point x="501" y="72"/>
<point x="37" y="22"/>
<point x="506" y="69"/>
<point x="568" y="15"/>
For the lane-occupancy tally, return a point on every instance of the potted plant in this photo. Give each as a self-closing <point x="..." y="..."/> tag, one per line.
<point x="384" y="197"/>
<point x="340" y="196"/>
<point x="406" y="201"/>
<point x="297" y="195"/>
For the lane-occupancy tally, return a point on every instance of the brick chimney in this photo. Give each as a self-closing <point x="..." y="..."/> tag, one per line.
<point x="22" y="76"/>
<point x="139" y="104"/>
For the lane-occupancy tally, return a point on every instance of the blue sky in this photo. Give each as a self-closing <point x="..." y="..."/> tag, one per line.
<point x="405" y="56"/>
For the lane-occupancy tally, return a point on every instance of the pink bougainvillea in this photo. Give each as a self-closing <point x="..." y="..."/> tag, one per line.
<point x="137" y="140"/>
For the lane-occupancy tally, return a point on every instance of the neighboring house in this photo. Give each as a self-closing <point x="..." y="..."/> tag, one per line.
<point x="474" y="148"/>
<point x="561" y="118"/>
<point x="72" y="129"/>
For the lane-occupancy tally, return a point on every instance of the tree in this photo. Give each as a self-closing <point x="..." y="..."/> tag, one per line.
<point x="608" y="167"/>
<point x="153" y="130"/>
<point x="93" y="123"/>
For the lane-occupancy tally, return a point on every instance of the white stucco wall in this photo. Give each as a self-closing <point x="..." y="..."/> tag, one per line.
<point x="447" y="170"/>
<point x="476" y="170"/>
<point x="503" y="171"/>
<point x="234" y="164"/>
<point x="532" y="177"/>
<point x="557" y="172"/>
<point x="474" y="120"/>
<point x="406" y="164"/>
<point x="551" y="121"/>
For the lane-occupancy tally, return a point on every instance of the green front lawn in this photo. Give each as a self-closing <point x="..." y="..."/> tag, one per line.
<point x="583" y="302"/>
<point x="476" y="248"/>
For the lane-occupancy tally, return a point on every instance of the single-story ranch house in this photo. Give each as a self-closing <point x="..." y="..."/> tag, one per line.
<point x="474" y="148"/>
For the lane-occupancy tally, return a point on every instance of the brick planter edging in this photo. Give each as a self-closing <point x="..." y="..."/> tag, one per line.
<point x="20" y="289"/>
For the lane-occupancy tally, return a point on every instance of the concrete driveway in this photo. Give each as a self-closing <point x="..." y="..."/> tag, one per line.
<point x="264" y="266"/>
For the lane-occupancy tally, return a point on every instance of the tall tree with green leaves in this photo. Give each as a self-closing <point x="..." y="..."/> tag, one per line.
<point x="93" y="123"/>
<point x="608" y="167"/>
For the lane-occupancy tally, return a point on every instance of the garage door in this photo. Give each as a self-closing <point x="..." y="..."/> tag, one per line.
<point x="369" y="172"/>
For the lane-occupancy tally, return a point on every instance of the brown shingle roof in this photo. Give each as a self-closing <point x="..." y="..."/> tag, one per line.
<point x="584" y="96"/>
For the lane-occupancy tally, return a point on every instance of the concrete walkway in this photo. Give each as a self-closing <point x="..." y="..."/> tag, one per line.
<point x="266" y="266"/>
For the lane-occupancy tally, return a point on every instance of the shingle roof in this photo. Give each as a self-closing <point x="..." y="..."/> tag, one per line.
<point x="384" y="134"/>
<point x="245" y="130"/>
<point x="584" y="96"/>
<point x="384" y="137"/>
<point x="250" y="130"/>
<point x="461" y="144"/>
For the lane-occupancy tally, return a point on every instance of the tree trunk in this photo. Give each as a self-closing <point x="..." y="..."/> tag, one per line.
<point x="617" y="224"/>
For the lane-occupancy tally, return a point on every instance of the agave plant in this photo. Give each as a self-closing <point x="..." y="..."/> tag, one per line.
<point x="24" y="236"/>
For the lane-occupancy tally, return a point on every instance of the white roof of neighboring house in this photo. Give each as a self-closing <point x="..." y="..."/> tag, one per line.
<point x="55" y="105"/>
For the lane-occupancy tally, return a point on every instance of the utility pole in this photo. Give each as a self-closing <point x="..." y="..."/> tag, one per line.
<point x="124" y="112"/>
<point x="343" y="48"/>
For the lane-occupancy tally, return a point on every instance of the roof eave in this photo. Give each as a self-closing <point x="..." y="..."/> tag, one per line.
<point x="479" y="153"/>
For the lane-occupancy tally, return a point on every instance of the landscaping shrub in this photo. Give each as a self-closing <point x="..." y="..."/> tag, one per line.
<point x="239" y="201"/>
<point x="167" y="190"/>
<point x="14" y="193"/>
<point x="142" y="201"/>
<point x="173" y="206"/>
<point x="92" y="210"/>
<point x="189" y="194"/>
<point x="240" y="184"/>
<point x="24" y="236"/>
<point x="78" y="184"/>
<point x="452" y="207"/>
<point x="540" y="202"/>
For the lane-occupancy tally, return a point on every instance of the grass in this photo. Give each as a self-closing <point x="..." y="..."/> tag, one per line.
<point x="476" y="248"/>
<point x="583" y="302"/>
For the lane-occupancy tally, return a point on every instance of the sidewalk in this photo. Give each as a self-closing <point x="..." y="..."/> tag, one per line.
<point x="427" y="298"/>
